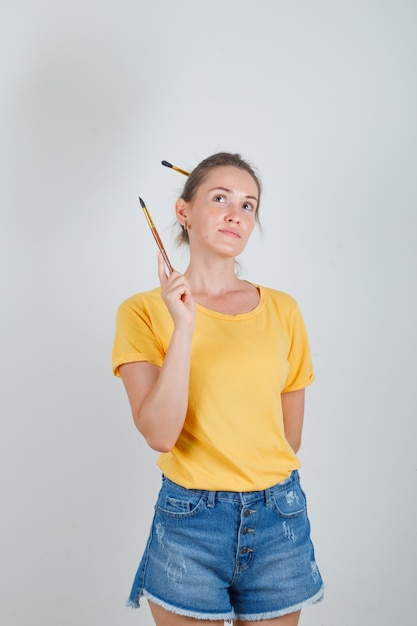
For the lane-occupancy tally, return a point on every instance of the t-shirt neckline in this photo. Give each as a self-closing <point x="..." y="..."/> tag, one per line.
<point x="239" y="316"/>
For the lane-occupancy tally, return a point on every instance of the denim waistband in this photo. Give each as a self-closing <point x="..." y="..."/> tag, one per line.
<point x="243" y="497"/>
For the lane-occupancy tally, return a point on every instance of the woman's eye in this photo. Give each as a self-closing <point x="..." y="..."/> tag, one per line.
<point x="219" y="198"/>
<point x="248" y="206"/>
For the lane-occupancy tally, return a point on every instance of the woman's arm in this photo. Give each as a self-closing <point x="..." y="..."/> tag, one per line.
<point x="293" y="413"/>
<point x="158" y="396"/>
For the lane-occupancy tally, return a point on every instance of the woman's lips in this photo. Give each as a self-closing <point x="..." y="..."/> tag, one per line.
<point x="230" y="233"/>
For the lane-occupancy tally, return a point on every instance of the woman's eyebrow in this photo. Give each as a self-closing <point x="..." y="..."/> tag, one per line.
<point x="231" y="191"/>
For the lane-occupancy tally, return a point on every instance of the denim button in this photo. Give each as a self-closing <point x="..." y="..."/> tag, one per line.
<point x="248" y="512"/>
<point x="245" y="550"/>
<point x="245" y="531"/>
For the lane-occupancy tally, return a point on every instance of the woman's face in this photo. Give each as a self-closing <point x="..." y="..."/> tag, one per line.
<point x="221" y="216"/>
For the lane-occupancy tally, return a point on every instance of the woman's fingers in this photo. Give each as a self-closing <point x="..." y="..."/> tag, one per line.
<point x="176" y="293"/>
<point x="162" y="273"/>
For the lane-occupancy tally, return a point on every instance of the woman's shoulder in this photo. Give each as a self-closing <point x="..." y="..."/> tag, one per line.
<point x="142" y="301"/>
<point x="277" y="297"/>
<point x="137" y="299"/>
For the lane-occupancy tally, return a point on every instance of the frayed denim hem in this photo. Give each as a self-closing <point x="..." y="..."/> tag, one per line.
<point x="228" y="617"/>
<point x="133" y="601"/>
<point x="177" y="611"/>
<point x="252" y="617"/>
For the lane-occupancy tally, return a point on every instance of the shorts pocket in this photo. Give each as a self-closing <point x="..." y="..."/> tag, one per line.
<point x="181" y="505"/>
<point x="290" y="502"/>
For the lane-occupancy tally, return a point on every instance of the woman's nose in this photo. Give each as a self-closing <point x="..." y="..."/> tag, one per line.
<point x="233" y="217"/>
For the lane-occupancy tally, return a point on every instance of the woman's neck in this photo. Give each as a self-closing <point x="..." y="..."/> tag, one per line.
<point x="216" y="287"/>
<point x="214" y="279"/>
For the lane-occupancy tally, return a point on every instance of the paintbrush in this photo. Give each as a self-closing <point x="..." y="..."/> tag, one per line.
<point x="156" y="236"/>
<point x="174" y="167"/>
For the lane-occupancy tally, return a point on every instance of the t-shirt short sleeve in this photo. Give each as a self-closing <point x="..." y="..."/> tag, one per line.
<point x="300" y="373"/>
<point x="135" y="339"/>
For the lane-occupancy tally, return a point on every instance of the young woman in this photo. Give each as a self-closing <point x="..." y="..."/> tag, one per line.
<point x="215" y="369"/>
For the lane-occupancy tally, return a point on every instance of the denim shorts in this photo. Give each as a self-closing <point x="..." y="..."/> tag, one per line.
<point x="223" y="555"/>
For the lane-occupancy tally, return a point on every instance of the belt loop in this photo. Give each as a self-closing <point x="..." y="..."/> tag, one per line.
<point x="268" y="497"/>
<point x="211" y="497"/>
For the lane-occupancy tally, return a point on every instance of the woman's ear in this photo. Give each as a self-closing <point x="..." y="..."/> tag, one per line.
<point x="181" y="211"/>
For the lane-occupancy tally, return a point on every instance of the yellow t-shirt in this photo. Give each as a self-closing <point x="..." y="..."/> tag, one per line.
<point x="233" y="436"/>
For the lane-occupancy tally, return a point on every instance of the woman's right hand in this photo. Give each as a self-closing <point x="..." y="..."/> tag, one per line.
<point x="176" y="293"/>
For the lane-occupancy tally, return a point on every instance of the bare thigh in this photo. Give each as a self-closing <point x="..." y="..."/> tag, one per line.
<point x="285" y="620"/>
<point x="163" y="617"/>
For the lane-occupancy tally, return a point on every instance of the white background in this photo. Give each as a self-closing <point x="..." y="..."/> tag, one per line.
<point x="321" y="96"/>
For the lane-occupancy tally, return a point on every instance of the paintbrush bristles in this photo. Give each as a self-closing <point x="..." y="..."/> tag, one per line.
<point x="145" y="210"/>
<point x="156" y="236"/>
<point x="174" y="167"/>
